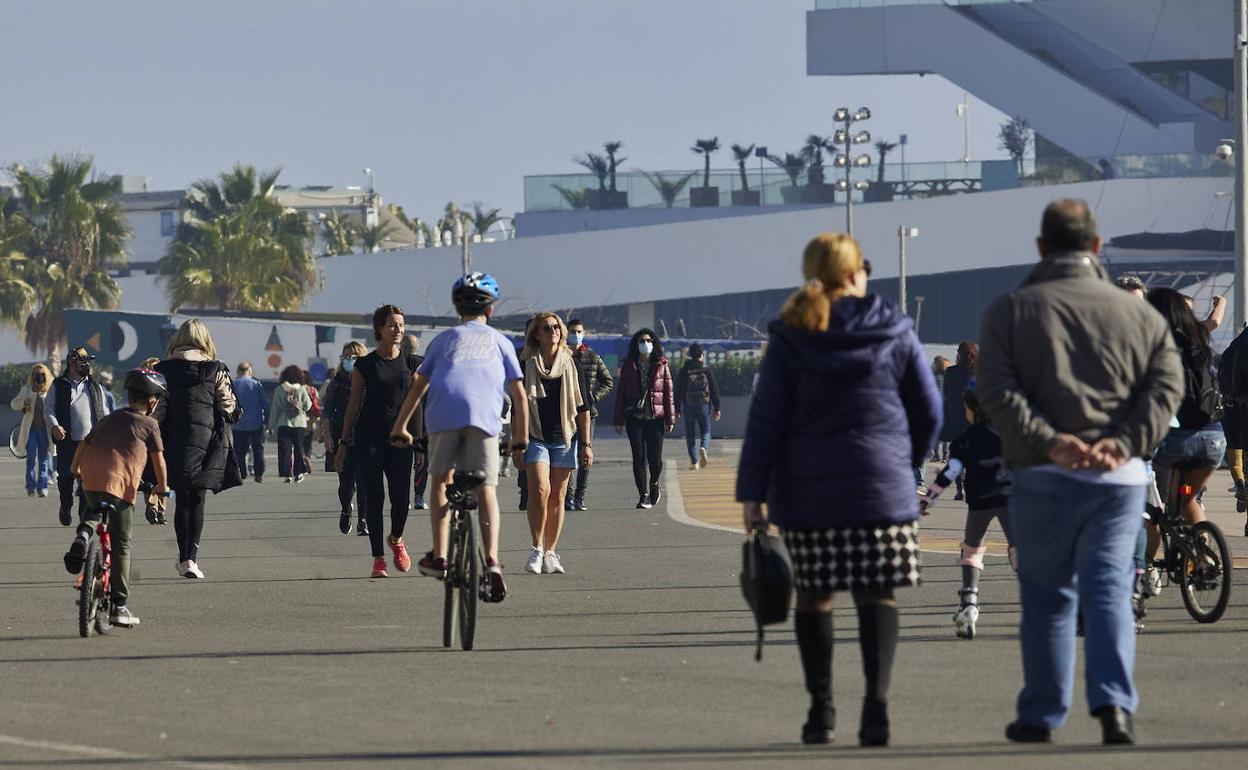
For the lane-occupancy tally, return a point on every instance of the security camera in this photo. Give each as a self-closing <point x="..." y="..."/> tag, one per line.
<point x="1224" y="151"/>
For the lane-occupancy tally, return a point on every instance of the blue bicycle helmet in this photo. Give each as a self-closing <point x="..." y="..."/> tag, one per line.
<point x="474" y="292"/>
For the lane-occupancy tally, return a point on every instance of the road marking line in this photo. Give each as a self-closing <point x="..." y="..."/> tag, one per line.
<point x="103" y="753"/>
<point x="676" y="502"/>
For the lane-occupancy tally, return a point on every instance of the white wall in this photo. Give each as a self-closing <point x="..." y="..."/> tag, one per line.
<point x="146" y="244"/>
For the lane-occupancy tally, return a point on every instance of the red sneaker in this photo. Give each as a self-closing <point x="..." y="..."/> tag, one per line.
<point x="431" y="567"/>
<point x="402" y="562"/>
<point x="379" y="567"/>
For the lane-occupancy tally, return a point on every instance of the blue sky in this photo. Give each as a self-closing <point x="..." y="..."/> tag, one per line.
<point x="444" y="100"/>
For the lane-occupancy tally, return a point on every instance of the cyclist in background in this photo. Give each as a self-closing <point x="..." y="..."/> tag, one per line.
<point x="467" y="372"/>
<point x="110" y="461"/>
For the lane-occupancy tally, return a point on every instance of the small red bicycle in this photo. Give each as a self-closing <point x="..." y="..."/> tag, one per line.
<point x="94" y="599"/>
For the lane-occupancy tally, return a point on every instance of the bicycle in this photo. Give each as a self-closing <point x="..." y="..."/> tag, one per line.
<point x="1195" y="557"/>
<point x="17" y="451"/>
<point x="94" y="598"/>
<point x="465" y="580"/>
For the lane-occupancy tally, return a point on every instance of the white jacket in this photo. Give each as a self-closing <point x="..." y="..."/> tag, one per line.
<point x="24" y="402"/>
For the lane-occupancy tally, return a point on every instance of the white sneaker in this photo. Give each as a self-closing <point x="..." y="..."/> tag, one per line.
<point x="534" y="564"/>
<point x="702" y="458"/>
<point x="121" y="616"/>
<point x="1152" y="581"/>
<point x="299" y="478"/>
<point x="192" y="570"/>
<point x="551" y="564"/>
<point x="964" y="621"/>
<point x="694" y="467"/>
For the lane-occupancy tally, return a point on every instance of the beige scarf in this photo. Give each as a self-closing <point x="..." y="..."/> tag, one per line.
<point x="564" y="370"/>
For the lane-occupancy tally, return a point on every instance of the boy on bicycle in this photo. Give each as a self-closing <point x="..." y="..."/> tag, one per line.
<point x="467" y="371"/>
<point x="110" y="462"/>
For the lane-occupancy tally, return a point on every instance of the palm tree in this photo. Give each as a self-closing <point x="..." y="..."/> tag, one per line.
<point x="742" y="154"/>
<point x="68" y="230"/>
<point x="792" y="164"/>
<point x="373" y="237"/>
<point x="446" y="224"/>
<point x="239" y="250"/>
<point x="577" y="199"/>
<point x="705" y="147"/>
<point x="813" y="153"/>
<point x="611" y="148"/>
<point x="415" y="224"/>
<point x="883" y="147"/>
<point x="596" y="165"/>
<point x="483" y="219"/>
<point x="669" y="189"/>
<point x="339" y="234"/>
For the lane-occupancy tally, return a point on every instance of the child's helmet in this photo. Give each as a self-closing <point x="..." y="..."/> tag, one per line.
<point x="475" y="291"/>
<point x="146" y="381"/>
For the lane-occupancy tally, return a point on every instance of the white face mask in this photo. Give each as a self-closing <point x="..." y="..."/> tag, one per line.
<point x="645" y="348"/>
<point x="576" y="338"/>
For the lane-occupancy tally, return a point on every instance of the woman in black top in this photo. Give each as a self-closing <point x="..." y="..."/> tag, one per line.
<point x="954" y="384"/>
<point x="378" y="386"/>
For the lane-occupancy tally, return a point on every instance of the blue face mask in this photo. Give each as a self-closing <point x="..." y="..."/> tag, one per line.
<point x="575" y="339"/>
<point x="645" y="348"/>
<point x="348" y="365"/>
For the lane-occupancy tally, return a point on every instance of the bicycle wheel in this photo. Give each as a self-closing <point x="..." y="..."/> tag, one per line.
<point x="91" y="591"/>
<point x="450" y="604"/>
<point x="470" y="586"/>
<point x="1205" y="580"/>
<point x="18" y="451"/>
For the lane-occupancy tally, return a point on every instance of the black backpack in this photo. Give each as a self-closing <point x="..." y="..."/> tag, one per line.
<point x="698" y="387"/>
<point x="766" y="581"/>
<point x="1202" y="400"/>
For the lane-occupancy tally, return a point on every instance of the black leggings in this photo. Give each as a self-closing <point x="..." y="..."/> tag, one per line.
<point x="188" y="521"/>
<point x="646" y="439"/>
<point x="290" y="458"/>
<point x="382" y="465"/>
<point x="347" y="485"/>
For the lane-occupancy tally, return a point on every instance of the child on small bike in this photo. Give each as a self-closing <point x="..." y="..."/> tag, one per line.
<point x="110" y="462"/>
<point x="978" y="451"/>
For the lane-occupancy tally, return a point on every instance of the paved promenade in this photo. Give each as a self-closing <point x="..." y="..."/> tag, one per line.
<point x="287" y="655"/>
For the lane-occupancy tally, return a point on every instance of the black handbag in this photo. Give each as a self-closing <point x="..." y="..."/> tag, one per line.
<point x="766" y="580"/>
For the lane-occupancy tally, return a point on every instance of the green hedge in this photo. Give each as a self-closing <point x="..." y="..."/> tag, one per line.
<point x="735" y="376"/>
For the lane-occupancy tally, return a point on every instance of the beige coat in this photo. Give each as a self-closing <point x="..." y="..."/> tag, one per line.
<point x="24" y="402"/>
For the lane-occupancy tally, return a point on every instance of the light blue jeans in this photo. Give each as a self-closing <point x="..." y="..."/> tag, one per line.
<point x="697" y="429"/>
<point x="38" y="461"/>
<point x="1076" y="543"/>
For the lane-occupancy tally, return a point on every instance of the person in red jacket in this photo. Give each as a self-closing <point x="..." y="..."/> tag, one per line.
<point x="646" y="408"/>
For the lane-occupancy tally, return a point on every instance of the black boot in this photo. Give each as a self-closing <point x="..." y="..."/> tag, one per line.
<point x="1116" y="727"/>
<point x="814" y="642"/>
<point x="1241" y="497"/>
<point x="361" y="527"/>
<point x="960" y="494"/>
<point x="877" y="638"/>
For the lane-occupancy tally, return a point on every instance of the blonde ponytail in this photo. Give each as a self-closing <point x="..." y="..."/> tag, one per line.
<point x="829" y="264"/>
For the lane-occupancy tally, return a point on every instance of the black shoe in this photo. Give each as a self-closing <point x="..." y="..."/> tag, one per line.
<point x="820" y="725"/>
<point x="874" y="728"/>
<point x="361" y="528"/>
<point x="959" y="495"/>
<point x="578" y="504"/>
<point x="643" y="501"/>
<point x="1021" y="732"/>
<point x="259" y="479"/>
<point x="568" y="505"/>
<point x="524" y="503"/>
<point x="1116" y="727"/>
<point x="75" y="555"/>
<point x="344" y="522"/>
<point x="1241" y="502"/>
<point x="64" y="515"/>
<point x="655" y="494"/>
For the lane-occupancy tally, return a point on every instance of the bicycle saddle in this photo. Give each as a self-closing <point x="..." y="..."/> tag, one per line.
<point x="469" y="479"/>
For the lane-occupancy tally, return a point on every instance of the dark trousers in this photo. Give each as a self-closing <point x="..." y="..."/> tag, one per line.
<point x="253" y="440"/>
<point x="645" y="438"/>
<point x="290" y="452"/>
<point x="420" y="477"/>
<point x="382" y="466"/>
<point x="65" y="481"/>
<point x="347" y="485"/>
<point x="188" y="521"/>
<point x="576" y="491"/>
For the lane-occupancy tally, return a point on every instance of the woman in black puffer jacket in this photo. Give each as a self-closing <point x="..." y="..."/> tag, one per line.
<point x="199" y="448"/>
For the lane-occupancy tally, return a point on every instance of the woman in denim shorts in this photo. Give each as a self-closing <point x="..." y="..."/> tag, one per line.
<point x="558" y="412"/>
<point x="1194" y="448"/>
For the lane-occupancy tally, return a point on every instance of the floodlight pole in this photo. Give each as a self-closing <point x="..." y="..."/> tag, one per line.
<point x="1241" y="163"/>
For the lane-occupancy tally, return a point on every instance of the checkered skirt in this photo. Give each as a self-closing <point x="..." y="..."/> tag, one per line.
<point x="827" y="560"/>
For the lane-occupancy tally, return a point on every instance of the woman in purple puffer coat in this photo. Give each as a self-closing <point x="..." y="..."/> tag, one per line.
<point x="845" y="408"/>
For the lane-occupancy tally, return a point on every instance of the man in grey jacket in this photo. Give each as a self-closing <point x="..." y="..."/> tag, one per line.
<point x="1081" y="380"/>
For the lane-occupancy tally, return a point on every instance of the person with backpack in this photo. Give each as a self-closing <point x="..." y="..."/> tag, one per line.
<point x="288" y="416"/>
<point x="1193" y="449"/>
<point x="697" y="399"/>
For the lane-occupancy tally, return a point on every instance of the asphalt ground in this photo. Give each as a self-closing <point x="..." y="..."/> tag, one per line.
<point x="288" y="655"/>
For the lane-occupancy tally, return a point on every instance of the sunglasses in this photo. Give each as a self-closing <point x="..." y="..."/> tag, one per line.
<point x="345" y="359"/>
<point x="548" y="328"/>
<point x="866" y="267"/>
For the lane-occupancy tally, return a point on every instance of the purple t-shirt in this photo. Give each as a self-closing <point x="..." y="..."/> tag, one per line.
<point x="468" y="368"/>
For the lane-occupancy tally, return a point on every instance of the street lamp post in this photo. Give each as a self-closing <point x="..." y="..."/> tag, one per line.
<point x="903" y="233"/>
<point x="1241" y="173"/>
<point x="465" y="259"/>
<point x="845" y="160"/>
